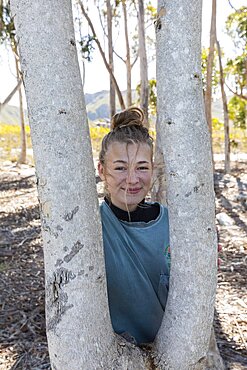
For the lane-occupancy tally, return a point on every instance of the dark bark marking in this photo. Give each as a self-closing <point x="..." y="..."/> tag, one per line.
<point x="173" y="174"/>
<point x="58" y="298"/>
<point x="59" y="262"/>
<point x="75" y="249"/>
<point x="59" y="228"/>
<point x="209" y="229"/>
<point x="81" y="272"/>
<point x="62" y="111"/>
<point x="91" y="268"/>
<point x="170" y="122"/>
<point x="72" y="41"/>
<point x="157" y="23"/>
<point x="188" y="194"/>
<point x="70" y="215"/>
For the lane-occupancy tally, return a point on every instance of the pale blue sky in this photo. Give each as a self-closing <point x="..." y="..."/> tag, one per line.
<point x="96" y="75"/>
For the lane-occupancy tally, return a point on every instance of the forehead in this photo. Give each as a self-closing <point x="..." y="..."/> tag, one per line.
<point x="129" y="152"/>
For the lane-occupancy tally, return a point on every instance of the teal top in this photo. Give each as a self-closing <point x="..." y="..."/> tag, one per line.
<point x="137" y="273"/>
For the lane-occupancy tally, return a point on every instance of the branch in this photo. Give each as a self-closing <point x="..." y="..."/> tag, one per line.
<point x="9" y="97"/>
<point x="229" y="2"/>
<point x="235" y="93"/>
<point x="119" y="94"/>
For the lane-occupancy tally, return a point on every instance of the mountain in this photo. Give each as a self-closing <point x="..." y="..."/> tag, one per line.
<point x="97" y="108"/>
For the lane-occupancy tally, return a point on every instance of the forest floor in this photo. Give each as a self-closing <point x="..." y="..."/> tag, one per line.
<point x="23" y="342"/>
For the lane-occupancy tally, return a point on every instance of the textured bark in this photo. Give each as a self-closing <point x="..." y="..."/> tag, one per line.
<point x="210" y="61"/>
<point x="110" y="54"/>
<point x="127" y="61"/>
<point x="226" y="115"/>
<point x="183" y="338"/>
<point x="119" y="94"/>
<point x="143" y="61"/>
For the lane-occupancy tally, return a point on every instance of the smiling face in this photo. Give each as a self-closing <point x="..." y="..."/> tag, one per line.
<point x="127" y="172"/>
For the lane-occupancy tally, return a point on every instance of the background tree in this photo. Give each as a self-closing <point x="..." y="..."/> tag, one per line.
<point x="236" y="26"/>
<point x="210" y="61"/>
<point x="225" y="111"/>
<point x="110" y="55"/>
<point x="144" y="86"/>
<point x="7" y="35"/>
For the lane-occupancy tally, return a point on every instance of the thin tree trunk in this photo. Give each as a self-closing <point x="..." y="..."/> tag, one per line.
<point x="23" y="153"/>
<point x="184" y="336"/>
<point x="226" y="115"/>
<point x="127" y="62"/>
<point x="119" y="94"/>
<point x="210" y="62"/>
<point x="111" y="62"/>
<point x="143" y="61"/>
<point x="10" y="96"/>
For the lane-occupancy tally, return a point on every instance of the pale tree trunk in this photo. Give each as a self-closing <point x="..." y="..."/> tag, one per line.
<point x="183" y="339"/>
<point x="119" y="94"/>
<point x="110" y="54"/>
<point x="210" y="62"/>
<point x="226" y="115"/>
<point x="23" y="153"/>
<point x="127" y="61"/>
<point x="78" y="324"/>
<point x="143" y="61"/>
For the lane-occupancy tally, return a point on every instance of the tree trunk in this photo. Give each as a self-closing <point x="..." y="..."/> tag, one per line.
<point x="127" y="62"/>
<point x="78" y="324"/>
<point x="183" y="339"/>
<point x="119" y="94"/>
<point x="143" y="61"/>
<point x="23" y="153"/>
<point x="210" y="62"/>
<point x="226" y="116"/>
<point x="110" y="54"/>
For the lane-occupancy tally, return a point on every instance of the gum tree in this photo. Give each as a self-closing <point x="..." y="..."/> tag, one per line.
<point x="78" y="324"/>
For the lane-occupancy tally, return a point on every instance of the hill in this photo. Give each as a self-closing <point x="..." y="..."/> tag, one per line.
<point x="97" y="108"/>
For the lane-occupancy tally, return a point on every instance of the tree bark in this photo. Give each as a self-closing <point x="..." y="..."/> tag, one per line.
<point x="127" y="61"/>
<point x="210" y="62"/>
<point x="110" y="54"/>
<point x="226" y="115"/>
<point x="143" y="61"/>
<point x="119" y="94"/>
<point x="183" y="339"/>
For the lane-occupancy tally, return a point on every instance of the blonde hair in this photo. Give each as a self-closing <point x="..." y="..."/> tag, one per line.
<point x="127" y="127"/>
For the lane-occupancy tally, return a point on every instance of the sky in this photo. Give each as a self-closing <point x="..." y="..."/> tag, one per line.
<point x="96" y="75"/>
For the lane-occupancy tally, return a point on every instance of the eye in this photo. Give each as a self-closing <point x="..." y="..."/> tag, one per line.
<point x="143" y="168"/>
<point x="120" y="168"/>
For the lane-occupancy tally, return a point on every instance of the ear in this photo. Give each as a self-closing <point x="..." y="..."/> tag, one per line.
<point x="101" y="171"/>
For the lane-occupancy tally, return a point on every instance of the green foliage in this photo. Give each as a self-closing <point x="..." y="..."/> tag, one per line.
<point x="236" y="26"/>
<point x="7" y="28"/>
<point x="215" y="71"/>
<point x="217" y="124"/>
<point x="237" y="108"/>
<point x="152" y="95"/>
<point x="87" y="47"/>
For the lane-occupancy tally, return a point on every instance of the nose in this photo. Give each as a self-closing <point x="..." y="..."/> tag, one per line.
<point x="132" y="177"/>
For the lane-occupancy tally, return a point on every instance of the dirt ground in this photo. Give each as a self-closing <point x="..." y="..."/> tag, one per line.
<point x="22" y="319"/>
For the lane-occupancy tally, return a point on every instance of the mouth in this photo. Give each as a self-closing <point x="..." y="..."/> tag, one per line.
<point x="133" y="191"/>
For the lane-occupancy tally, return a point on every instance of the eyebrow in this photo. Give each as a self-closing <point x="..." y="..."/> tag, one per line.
<point x="121" y="161"/>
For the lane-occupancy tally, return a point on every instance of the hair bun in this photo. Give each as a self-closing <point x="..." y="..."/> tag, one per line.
<point x="128" y="117"/>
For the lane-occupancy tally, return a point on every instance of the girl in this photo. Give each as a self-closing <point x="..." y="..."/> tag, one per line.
<point x="135" y="233"/>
